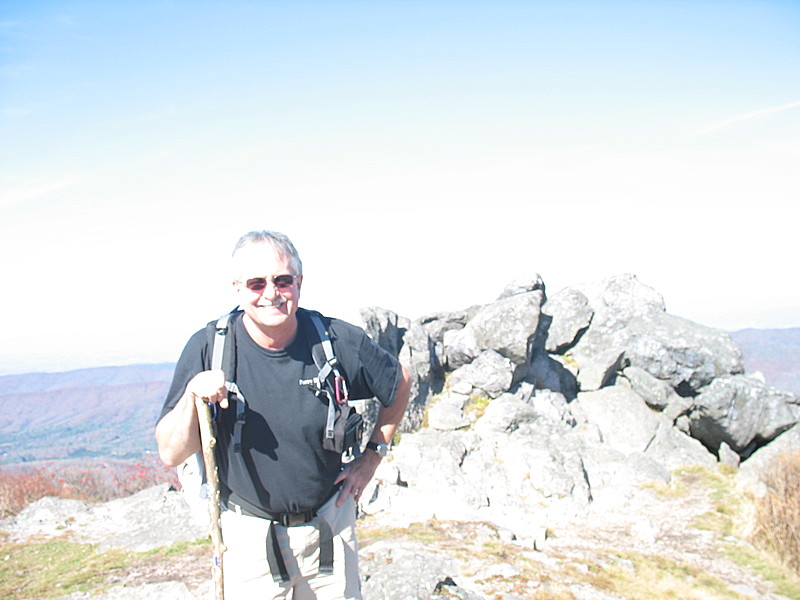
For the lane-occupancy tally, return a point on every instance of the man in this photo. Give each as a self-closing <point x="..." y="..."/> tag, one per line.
<point x="282" y="489"/>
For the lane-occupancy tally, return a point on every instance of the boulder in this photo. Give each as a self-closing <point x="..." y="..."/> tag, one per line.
<point x="658" y="394"/>
<point x="625" y="422"/>
<point x="522" y="286"/>
<point x="547" y="372"/>
<point x="404" y="571"/>
<point x="505" y="326"/>
<point x="752" y="471"/>
<point x="490" y="374"/>
<point x="154" y="517"/>
<point x="570" y="315"/>
<point x="385" y="327"/>
<point x="599" y="370"/>
<point x="418" y="354"/>
<point x="412" y="345"/>
<point x="743" y="412"/>
<point x="436" y="324"/>
<point x="552" y="405"/>
<point x="684" y="354"/>
<point x="446" y="413"/>
<point x="617" y="300"/>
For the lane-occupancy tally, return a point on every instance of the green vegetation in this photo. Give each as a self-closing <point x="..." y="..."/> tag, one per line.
<point x="477" y="406"/>
<point x="776" y="526"/>
<point x="48" y="568"/>
<point x="646" y="577"/>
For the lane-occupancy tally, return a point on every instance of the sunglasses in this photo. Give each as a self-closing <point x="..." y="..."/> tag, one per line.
<point x="281" y="282"/>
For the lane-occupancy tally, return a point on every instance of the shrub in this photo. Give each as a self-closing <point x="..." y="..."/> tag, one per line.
<point x="20" y="488"/>
<point x="777" y="517"/>
<point x="98" y="481"/>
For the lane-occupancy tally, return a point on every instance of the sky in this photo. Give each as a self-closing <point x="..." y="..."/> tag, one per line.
<point x="420" y="154"/>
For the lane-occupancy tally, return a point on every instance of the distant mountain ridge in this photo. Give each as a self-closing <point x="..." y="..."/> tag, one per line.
<point x="92" y="376"/>
<point x="104" y="412"/>
<point x="773" y="352"/>
<point x="111" y="411"/>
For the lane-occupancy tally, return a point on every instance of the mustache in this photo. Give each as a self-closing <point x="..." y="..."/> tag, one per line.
<point x="280" y="301"/>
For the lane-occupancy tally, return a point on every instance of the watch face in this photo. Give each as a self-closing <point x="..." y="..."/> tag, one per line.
<point x="381" y="449"/>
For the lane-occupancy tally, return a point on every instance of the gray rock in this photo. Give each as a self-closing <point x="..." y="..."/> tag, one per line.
<point x="413" y="346"/>
<point x="505" y="414"/>
<point x="385" y="327"/>
<point x="672" y="448"/>
<point x="742" y="412"/>
<point x="630" y="316"/>
<point x="619" y="299"/>
<point x="506" y="326"/>
<point x="552" y="405"/>
<point x="728" y="457"/>
<point x="418" y="353"/>
<point x="522" y="286"/>
<point x="570" y="315"/>
<point x="169" y="590"/>
<point x="624" y="420"/>
<point x="549" y="373"/>
<point x="446" y="413"/>
<point x="655" y="392"/>
<point x="430" y="455"/>
<point x="600" y="370"/>
<point x="404" y="571"/>
<point x="685" y="354"/>
<point x="751" y="472"/>
<point x="149" y="519"/>
<point x="436" y="324"/>
<point x="490" y="374"/>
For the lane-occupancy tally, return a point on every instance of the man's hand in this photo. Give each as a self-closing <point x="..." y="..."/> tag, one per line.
<point x="178" y="433"/>
<point x="356" y="475"/>
<point x="210" y="386"/>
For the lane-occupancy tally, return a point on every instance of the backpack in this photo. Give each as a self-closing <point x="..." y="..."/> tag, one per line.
<point x="344" y="425"/>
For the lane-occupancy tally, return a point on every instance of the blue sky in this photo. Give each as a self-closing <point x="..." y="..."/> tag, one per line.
<point x="421" y="154"/>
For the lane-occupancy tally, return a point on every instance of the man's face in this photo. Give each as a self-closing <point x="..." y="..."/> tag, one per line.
<point x="267" y="288"/>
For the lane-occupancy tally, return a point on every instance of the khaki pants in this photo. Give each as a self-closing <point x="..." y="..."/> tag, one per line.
<point x="247" y="574"/>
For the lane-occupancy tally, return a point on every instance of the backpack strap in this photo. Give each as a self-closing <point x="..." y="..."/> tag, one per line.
<point x="223" y="357"/>
<point x="328" y="382"/>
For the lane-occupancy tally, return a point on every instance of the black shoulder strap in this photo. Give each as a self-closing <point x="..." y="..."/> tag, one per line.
<point x="329" y="381"/>
<point x="221" y="340"/>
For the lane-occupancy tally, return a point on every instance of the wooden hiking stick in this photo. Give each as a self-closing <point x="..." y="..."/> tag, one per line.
<point x="209" y="441"/>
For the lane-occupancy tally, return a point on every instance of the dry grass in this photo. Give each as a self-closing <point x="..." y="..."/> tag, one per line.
<point x="777" y="526"/>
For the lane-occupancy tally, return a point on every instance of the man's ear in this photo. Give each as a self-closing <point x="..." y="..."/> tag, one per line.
<point x="299" y="282"/>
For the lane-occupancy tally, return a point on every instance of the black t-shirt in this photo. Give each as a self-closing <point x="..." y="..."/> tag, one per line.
<point x="282" y="466"/>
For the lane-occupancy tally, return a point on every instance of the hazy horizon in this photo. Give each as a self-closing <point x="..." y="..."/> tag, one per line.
<point x="421" y="155"/>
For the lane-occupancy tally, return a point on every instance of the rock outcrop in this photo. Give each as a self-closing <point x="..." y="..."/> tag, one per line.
<point x="539" y="406"/>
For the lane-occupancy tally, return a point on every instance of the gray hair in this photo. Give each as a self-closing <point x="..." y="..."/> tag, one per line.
<point x="279" y="242"/>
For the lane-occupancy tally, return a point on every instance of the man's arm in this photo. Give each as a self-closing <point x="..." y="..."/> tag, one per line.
<point x="178" y="433"/>
<point x="358" y="473"/>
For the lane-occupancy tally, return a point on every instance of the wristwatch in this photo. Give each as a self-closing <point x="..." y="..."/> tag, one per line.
<point x="381" y="449"/>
